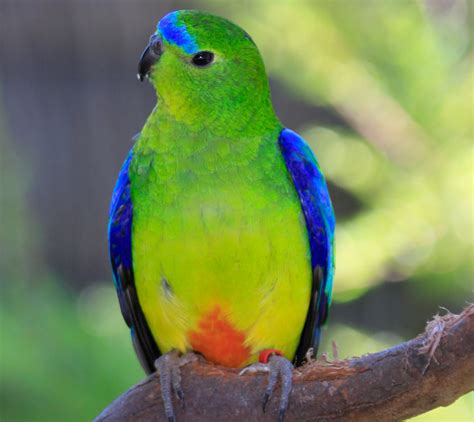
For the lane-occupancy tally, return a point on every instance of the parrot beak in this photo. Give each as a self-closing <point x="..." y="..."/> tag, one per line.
<point x="150" y="56"/>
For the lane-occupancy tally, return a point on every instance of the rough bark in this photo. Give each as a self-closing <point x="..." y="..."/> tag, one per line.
<point x="429" y="371"/>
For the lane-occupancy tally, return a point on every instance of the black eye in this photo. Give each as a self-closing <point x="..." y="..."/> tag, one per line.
<point x="203" y="58"/>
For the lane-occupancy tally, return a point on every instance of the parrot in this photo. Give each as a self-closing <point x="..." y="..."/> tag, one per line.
<point x="221" y="227"/>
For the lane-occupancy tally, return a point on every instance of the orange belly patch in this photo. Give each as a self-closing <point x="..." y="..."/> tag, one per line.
<point x="218" y="340"/>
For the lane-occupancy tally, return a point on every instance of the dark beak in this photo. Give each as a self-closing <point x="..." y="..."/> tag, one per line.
<point x="150" y="56"/>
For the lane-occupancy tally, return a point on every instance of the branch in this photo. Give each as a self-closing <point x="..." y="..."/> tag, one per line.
<point x="432" y="370"/>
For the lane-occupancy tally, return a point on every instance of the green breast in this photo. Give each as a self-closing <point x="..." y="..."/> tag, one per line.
<point x="218" y="222"/>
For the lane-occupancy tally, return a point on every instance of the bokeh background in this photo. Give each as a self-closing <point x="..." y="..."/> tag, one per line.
<point x="382" y="91"/>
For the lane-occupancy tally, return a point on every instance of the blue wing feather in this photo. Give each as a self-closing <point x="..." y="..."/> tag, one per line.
<point x="120" y="249"/>
<point x="120" y="222"/>
<point x="320" y="222"/>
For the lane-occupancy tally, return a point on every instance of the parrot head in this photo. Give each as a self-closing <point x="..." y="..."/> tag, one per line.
<point x="206" y="71"/>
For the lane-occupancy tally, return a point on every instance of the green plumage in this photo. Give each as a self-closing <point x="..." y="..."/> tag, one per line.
<point x="224" y="223"/>
<point x="214" y="203"/>
<point x="222" y="262"/>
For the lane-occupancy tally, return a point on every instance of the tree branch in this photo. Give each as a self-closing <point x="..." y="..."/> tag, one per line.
<point x="432" y="370"/>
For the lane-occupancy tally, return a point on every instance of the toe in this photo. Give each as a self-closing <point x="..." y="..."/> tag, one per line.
<point x="167" y="367"/>
<point x="272" y="380"/>
<point x="283" y="368"/>
<point x="180" y="395"/>
<point x="278" y="367"/>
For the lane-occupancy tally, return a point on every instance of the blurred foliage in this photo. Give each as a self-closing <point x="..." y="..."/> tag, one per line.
<point x="66" y="358"/>
<point x="400" y="74"/>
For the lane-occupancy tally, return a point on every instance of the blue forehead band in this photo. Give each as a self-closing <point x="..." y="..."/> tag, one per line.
<point x="176" y="33"/>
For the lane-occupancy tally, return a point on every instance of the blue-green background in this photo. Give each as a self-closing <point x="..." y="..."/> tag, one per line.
<point x="383" y="92"/>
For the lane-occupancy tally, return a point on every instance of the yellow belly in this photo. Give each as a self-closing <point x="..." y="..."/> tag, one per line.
<point x="219" y="244"/>
<point x="250" y="268"/>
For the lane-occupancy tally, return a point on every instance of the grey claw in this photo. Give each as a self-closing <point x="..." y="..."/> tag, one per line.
<point x="180" y="395"/>
<point x="176" y="383"/>
<point x="265" y="401"/>
<point x="278" y="367"/>
<point x="272" y="380"/>
<point x="167" y="367"/>
<point x="282" y="368"/>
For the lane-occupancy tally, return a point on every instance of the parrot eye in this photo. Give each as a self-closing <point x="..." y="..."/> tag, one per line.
<point x="203" y="58"/>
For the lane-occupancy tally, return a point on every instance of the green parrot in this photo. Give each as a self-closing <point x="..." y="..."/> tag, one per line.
<point x="221" y="228"/>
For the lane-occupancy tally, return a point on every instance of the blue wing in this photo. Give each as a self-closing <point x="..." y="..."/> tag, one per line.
<point x="120" y="249"/>
<point x="320" y="222"/>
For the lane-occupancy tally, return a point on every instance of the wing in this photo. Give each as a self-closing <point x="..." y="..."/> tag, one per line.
<point x="120" y="249"/>
<point x="320" y="222"/>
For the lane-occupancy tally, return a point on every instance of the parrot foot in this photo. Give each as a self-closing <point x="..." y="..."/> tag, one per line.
<point x="168" y="367"/>
<point x="277" y="366"/>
